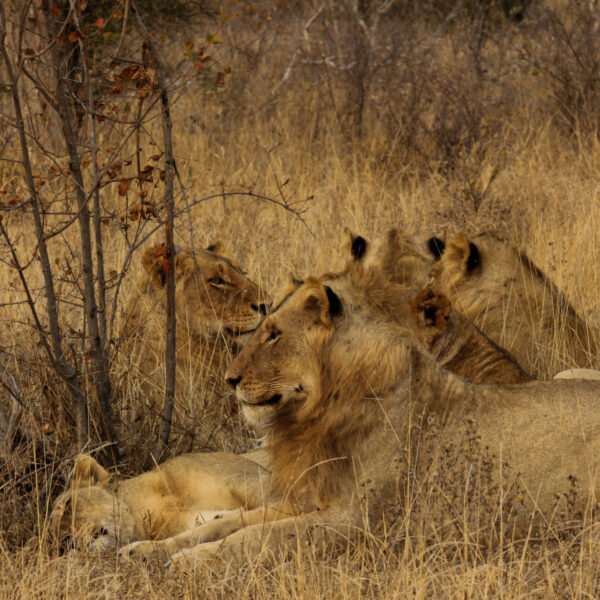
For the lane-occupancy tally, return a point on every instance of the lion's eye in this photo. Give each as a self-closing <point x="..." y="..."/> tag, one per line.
<point x="218" y="281"/>
<point x="100" y="533"/>
<point x="273" y="335"/>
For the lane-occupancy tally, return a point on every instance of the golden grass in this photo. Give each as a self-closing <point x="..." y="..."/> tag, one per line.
<point x="545" y="197"/>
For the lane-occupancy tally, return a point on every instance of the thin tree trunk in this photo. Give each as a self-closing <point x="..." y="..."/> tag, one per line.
<point x="100" y="271"/>
<point x="169" y="201"/>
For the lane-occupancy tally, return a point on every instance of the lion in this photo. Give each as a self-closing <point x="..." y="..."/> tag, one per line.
<point x="216" y="306"/>
<point x="494" y="285"/>
<point x="514" y="303"/>
<point x="454" y="341"/>
<point x="348" y="396"/>
<point x="101" y="511"/>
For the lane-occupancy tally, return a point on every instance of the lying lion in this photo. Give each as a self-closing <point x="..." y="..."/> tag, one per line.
<point x="349" y="412"/>
<point x="89" y="504"/>
<point x="451" y="338"/>
<point x="498" y="288"/>
<point x="101" y="511"/>
<point x="515" y="304"/>
<point x="217" y="305"/>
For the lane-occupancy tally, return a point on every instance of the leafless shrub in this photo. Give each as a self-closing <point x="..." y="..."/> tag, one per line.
<point x="563" y="51"/>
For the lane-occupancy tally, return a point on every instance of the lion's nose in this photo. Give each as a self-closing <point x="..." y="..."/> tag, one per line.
<point x="233" y="381"/>
<point x="261" y="308"/>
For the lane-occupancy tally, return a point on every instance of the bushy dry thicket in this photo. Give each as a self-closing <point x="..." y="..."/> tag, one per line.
<point x="466" y="115"/>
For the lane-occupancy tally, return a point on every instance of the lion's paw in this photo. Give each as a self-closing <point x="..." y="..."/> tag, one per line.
<point x="143" y="550"/>
<point x="188" y="558"/>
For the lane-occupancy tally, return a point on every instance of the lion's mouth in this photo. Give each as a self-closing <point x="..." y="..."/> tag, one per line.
<point x="269" y="402"/>
<point x="238" y="332"/>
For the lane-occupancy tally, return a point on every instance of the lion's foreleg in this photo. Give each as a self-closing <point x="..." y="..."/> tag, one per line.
<point x="228" y="521"/>
<point x="265" y="539"/>
<point x="216" y="529"/>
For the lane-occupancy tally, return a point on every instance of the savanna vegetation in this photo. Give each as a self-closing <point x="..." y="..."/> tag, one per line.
<point x="270" y="126"/>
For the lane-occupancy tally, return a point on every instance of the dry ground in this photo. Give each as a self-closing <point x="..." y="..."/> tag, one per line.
<point x="512" y="146"/>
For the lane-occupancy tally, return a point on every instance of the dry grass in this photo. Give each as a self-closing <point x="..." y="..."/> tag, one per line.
<point x="439" y="146"/>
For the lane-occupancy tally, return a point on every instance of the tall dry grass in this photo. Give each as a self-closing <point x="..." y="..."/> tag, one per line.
<point x="461" y="130"/>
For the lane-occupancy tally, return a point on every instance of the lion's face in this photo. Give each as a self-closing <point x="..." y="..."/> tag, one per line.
<point x="213" y="295"/>
<point x="89" y="513"/>
<point x="214" y="292"/>
<point x="91" y="517"/>
<point x="279" y="371"/>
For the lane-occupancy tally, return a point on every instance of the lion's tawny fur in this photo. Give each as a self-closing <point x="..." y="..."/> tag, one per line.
<point x="454" y="341"/>
<point x="515" y="304"/>
<point x="349" y="417"/>
<point x="216" y="305"/>
<point x="101" y="510"/>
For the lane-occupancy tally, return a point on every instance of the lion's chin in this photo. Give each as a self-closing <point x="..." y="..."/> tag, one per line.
<point x="261" y="415"/>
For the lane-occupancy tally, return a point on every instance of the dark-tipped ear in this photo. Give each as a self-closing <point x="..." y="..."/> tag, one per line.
<point x="358" y="247"/>
<point x="88" y="472"/>
<point x="335" y="305"/>
<point x="474" y="259"/>
<point x="436" y="247"/>
<point x="315" y="300"/>
<point x="431" y="311"/>
<point x="357" y="244"/>
<point x="217" y="248"/>
<point x="461" y="257"/>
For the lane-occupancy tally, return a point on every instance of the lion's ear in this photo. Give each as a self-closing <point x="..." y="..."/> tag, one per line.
<point x="155" y="263"/>
<point x="218" y="248"/>
<point x="88" y="472"/>
<point x="463" y="252"/>
<point x="436" y="247"/>
<point x="357" y="245"/>
<point x="431" y="311"/>
<point x="320" y="301"/>
<point x="185" y="264"/>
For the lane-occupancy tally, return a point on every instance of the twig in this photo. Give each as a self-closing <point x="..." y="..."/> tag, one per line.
<point x="123" y="29"/>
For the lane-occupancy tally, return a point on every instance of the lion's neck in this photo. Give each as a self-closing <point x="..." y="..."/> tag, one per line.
<point x="464" y="350"/>
<point x="312" y="453"/>
<point x="315" y="455"/>
<point x="309" y="458"/>
<point x="149" y="516"/>
<point x="128" y="496"/>
<point x="434" y="390"/>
